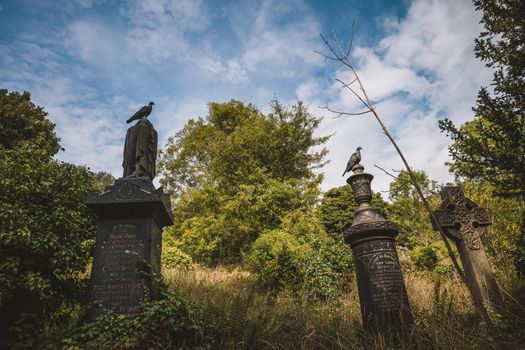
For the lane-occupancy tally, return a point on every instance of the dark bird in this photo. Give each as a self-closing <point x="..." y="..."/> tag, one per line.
<point x="354" y="160"/>
<point x="141" y="113"/>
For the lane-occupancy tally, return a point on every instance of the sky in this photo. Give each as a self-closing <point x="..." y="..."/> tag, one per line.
<point x="92" y="63"/>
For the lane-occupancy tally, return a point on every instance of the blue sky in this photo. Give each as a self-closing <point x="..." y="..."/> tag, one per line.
<point x="92" y="63"/>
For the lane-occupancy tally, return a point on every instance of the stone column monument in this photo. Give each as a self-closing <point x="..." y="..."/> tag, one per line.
<point x="465" y="223"/>
<point x="131" y="215"/>
<point x="382" y="293"/>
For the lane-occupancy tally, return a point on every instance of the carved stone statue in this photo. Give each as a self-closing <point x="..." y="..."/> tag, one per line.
<point x="140" y="151"/>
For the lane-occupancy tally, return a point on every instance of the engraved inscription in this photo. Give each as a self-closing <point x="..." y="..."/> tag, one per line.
<point x="384" y="274"/>
<point x="386" y="281"/>
<point x="119" y="284"/>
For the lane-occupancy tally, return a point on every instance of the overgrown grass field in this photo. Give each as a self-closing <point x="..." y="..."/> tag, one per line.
<point x="244" y="317"/>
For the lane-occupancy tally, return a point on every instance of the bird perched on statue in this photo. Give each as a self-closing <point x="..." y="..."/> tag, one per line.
<point x="355" y="158"/>
<point x="141" y="113"/>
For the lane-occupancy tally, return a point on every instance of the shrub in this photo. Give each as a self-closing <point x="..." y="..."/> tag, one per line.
<point x="328" y="269"/>
<point x="446" y="271"/>
<point x="277" y="260"/>
<point x="301" y="257"/>
<point x="424" y="258"/>
<point x="172" y="256"/>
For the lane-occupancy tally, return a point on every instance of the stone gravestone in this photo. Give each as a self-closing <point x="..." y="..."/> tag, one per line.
<point x="465" y="223"/>
<point x="131" y="215"/>
<point x="382" y="292"/>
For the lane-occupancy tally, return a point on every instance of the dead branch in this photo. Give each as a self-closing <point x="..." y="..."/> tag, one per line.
<point x="352" y="90"/>
<point x="339" y="113"/>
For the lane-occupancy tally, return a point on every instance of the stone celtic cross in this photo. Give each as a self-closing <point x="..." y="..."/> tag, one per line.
<point x="461" y="218"/>
<point x="465" y="223"/>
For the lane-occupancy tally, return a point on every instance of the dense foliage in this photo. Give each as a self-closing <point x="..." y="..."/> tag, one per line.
<point x="301" y="257"/>
<point x="236" y="144"/>
<point x="45" y="230"/>
<point x="338" y="206"/>
<point x="25" y="126"/>
<point x="168" y="323"/>
<point x="408" y="211"/>
<point x="237" y="173"/>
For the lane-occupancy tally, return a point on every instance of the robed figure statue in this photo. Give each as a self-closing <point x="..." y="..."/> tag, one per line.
<point x="140" y="151"/>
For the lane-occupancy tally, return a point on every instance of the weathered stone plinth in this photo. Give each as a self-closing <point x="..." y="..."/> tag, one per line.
<point x="465" y="223"/>
<point x="382" y="292"/>
<point x="131" y="214"/>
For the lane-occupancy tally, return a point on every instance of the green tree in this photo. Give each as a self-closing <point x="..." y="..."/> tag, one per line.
<point x="408" y="211"/>
<point x="101" y="180"/>
<point x="338" y="207"/>
<point x="236" y="173"/>
<point x="492" y="146"/>
<point x="236" y="140"/>
<point x="45" y="231"/>
<point x="22" y="125"/>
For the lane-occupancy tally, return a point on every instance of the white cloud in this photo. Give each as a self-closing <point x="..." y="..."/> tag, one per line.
<point x="275" y="46"/>
<point x="422" y="71"/>
<point x="94" y="42"/>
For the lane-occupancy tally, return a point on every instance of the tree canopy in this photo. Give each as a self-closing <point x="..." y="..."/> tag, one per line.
<point x="235" y="143"/>
<point x="46" y="233"/>
<point x="238" y="172"/>
<point x="492" y="146"/>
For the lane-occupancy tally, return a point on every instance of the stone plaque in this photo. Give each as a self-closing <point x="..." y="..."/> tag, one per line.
<point x="119" y="274"/>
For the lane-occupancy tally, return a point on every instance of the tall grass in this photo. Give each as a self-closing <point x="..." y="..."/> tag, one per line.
<point x="242" y="317"/>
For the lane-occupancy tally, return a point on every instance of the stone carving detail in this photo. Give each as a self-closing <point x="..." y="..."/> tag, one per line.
<point x="465" y="223"/>
<point x="124" y="191"/>
<point x="461" y="218"/>
<point x="372" y="226"/>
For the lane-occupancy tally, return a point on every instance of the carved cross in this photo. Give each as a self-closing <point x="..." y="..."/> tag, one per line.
<point x="461" y="218"/>
<point x="464" y="222"/>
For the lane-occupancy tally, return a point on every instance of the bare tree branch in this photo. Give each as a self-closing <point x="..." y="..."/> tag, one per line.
<point x="345" y="85"/>
<point x="351" y="40"/>
<point x="326" y="56"/>
<point x="391" y="175"/>
<point x="339" y="113"/>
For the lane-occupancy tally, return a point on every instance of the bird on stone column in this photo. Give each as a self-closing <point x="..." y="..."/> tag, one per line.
<point x="141" y="113"/>
<point x="355" y="158"/>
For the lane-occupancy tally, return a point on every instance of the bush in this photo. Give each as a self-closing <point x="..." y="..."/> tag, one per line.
<point x="172" y="256"/>
<point x="424" y="258"/>
<point x="328" y="269"/>
<point x="46" y="235"/>
<point x="446" y="271"/>
<point x="301" y="257"/>
<point x="170" y="323"/>
<point x="277" y="260"/>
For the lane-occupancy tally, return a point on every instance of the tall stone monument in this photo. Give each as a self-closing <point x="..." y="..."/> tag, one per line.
<point x="382" y="292"/>
<point x="465" y="223"/>
<point x="131" y="215"/>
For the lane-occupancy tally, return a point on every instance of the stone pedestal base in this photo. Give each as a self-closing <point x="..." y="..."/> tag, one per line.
<point x="128" y="249"/>
<point x="382" y="293"/>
